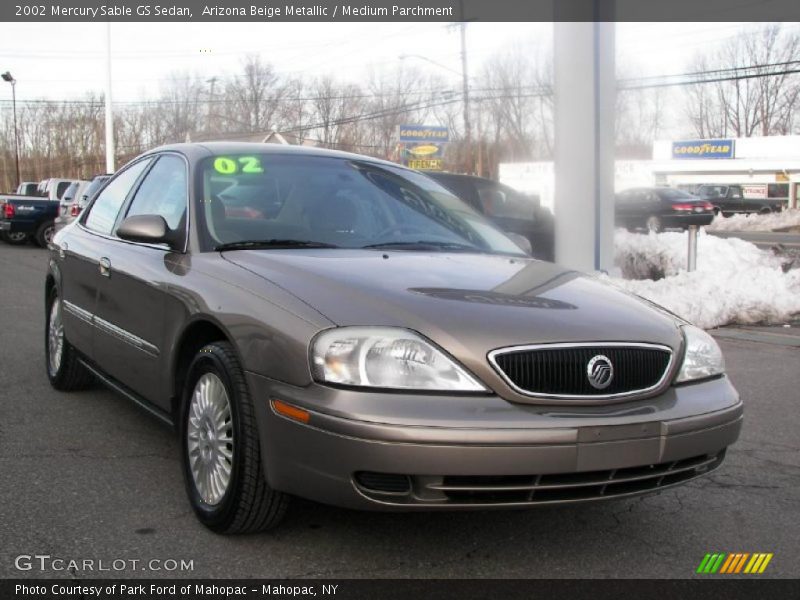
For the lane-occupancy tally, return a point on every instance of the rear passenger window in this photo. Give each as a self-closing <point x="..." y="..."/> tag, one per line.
<point x="163" y="191"/>
<point x="61" y="188"/>
<point x="103" y="212"/>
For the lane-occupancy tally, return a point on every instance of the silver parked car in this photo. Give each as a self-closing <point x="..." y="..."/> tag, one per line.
<point x="340" y="328"/>
<point x="76" y="198"/>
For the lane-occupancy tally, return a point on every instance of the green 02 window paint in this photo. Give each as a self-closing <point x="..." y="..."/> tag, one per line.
<point x="225" y="165"/>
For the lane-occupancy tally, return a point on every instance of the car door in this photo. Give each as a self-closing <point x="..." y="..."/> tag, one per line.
<point x="132" y="294"/>
<point x="79" y="258"/>
<point x="736" y="199"/>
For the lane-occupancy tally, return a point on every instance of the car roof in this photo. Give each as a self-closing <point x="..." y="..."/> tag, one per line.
<point x="200" y="150"/>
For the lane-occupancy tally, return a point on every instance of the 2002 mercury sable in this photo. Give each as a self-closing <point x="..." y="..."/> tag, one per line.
<point x="335" y="327"/>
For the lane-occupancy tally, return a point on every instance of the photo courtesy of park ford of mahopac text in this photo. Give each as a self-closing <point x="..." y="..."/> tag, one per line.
<point x="398" y="299"/>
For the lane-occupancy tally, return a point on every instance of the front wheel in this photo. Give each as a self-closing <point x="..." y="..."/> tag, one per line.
<point x="220" y="449"/>
<point x="64" y="369"/>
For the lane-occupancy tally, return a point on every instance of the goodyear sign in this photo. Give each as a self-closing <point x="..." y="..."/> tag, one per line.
<point x="695" y="149"/>
<point x="423" y="133"/>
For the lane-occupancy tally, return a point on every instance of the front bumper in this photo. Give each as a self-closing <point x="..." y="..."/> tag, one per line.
<point x="482" y="451"/>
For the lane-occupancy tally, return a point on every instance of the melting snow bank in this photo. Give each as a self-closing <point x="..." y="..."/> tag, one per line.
<point x="769" y="222"/>
<point x="735" y="282"/>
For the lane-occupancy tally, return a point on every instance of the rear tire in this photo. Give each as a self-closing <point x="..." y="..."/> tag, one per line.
<point x="654" y="224"/>
<point x="44" y="235"/>
<point x="15" y="239"/>
<point x="220" y="448"/>
<point x="64" y="369"/>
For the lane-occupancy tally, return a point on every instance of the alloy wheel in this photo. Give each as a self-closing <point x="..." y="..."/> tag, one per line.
<point x="210" y="438"/>
<point x="55" y="338"/>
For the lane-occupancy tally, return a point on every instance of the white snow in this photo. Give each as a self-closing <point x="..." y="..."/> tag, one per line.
<point x="741" y="222"/>
<point x="735" y="282"/>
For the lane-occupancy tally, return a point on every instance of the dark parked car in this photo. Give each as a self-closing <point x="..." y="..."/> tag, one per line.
<point x="659" y="208"/>
<point x="373" y="343"/>
<point x="72" y="205"/>
<point x="513" y="211"/>
<point x="730" y="199"/>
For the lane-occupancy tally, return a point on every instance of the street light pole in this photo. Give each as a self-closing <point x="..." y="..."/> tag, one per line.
<point x="109" y="107"/>
<point x="7" y="77"/>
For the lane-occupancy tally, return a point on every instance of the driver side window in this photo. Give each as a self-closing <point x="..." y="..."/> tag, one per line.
<point x="103" y="212"/>
<point x="163" y="192"/>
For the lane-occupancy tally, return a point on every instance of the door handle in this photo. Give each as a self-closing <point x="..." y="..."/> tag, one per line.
<point x="105" y="267"/>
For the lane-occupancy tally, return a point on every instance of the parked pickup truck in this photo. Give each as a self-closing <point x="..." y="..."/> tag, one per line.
<point x="31" y="217"/>
<point x="730" y="199"/>
<point x="26" y="217"/>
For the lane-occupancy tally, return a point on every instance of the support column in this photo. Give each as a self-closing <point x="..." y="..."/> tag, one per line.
<point x="584" y="144"/>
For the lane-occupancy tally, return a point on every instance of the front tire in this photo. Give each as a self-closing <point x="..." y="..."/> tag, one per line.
<point x="220" y="448"/>
<point x="64" y="369"/>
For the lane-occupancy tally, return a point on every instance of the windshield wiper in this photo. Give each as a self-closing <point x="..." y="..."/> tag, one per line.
<point x="427" y="245"/>
<point x="260" y="244"/>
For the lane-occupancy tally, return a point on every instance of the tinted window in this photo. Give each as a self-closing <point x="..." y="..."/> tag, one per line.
<point x="499" y="201"/>
<point x="91" y="190"/>
<point x="70" y="193"/>
<point x="163" y="191"/>
<point x="62" y="187"/>
<point x="103" y="212"/>
<point x="350" y="204"/>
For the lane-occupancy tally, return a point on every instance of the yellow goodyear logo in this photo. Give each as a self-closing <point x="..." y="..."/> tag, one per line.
<point x="424" y="150"/>
<point x="734" y="563"/>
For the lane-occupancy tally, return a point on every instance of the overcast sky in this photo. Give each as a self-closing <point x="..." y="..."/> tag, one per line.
<point x="65" y="60"/>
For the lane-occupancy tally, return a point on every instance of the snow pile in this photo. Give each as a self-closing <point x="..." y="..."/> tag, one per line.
<point x="735" y="282"/>
<point x="769" y="222"/>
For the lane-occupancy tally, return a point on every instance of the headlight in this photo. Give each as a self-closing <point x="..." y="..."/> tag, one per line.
<point x="386" y="357"/>
<point x="702" y="358"/>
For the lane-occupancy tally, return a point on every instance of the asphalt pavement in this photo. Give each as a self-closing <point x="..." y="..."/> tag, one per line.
<point x="89" y="476"/>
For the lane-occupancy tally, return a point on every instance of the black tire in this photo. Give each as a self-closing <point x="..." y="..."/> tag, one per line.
<point x="248" y="505"/>
<point x="44" y="234"/>
<point x="70" y="374"/>
<point x="15" y="239"/>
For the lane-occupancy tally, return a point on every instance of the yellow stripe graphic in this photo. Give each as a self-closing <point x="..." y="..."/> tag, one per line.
<point x="766" y="562"/>
<point x="752" y="562"/>
<point x="757" y="564"/>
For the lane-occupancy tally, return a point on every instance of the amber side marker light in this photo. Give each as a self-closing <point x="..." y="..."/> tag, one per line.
<point x="292" y="412"/>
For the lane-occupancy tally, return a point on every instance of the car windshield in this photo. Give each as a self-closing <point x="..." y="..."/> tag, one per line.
<point x="279" y="201"/>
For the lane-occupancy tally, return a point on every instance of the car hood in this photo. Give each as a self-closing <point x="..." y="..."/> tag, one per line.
<point x="467" y="303"/>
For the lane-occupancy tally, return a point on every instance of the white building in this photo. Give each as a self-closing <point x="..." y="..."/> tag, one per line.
<point x="765" y="166"/>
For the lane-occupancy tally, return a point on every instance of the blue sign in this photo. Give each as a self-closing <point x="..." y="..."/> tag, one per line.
<point x="700" y="149"/>
<point x="423" y="133"/>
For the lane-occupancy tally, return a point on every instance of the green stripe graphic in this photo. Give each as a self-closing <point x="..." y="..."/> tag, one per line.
<point x="703" y="563"/>
<point x="718" y="564"/>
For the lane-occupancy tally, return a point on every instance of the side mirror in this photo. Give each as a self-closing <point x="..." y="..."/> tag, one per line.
<point x="147" y="229"/>
<point x="521" y="241"/>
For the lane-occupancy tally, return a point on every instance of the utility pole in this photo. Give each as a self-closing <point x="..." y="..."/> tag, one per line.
<point x="109" y="114"/>
<point x="465" y="77"/>
<point x="212" y="82"/>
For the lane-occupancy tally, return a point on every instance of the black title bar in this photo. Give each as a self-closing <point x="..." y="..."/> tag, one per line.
<point x="398" y="10"/>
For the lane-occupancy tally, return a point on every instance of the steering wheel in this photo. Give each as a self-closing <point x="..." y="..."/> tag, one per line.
<point x="398" y="228"/>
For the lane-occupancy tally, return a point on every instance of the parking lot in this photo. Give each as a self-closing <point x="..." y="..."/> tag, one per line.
<point x="90" y="476"/>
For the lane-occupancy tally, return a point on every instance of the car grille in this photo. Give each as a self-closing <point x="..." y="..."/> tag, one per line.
<point x="561" y="370"/>
<point x="540" y="489"/>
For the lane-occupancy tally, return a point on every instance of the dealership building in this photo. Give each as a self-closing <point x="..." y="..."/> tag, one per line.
<point x="767" y="167"/>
